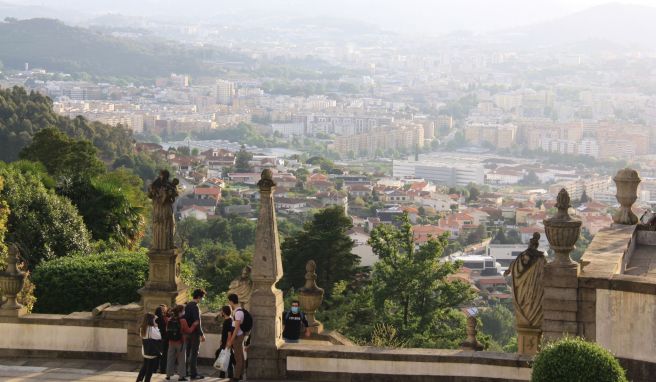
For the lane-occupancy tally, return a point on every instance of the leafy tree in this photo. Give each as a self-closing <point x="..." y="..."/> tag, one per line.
<point x="324" y="239"/>
<point x="218" y="264"/>
<point x="584" y="198"/>
<point x="474" y="193"/>
<point x="64" y="157"/>
<point x="43" y="224"/>
<point x="4" y="215"/>
<point x="500" y="237"/>
<point x="530" y="179"/>
<point x="477" y="236"/>
<point x="499" y="323"/>
<point x="410" y="289"/>
<point x="514" y="237"/>
<point x="242" y="159"/>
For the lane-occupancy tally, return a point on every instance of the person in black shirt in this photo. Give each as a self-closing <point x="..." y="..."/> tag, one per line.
<point x="226" y="315"/>
<point x="294" y="321"/>
<point x="192" y="314"/>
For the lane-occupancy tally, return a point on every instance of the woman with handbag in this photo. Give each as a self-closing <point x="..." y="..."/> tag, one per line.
<point x="151" y="347"/>
<point x="162" y="312"/>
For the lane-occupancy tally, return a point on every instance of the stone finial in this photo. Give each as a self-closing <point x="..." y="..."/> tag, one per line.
<point x="471" y="343"/>
<point x="11" y="280"/>
<point x="562" y="230"/>
<point x="266" y="181"/>
<point x="310" y="296"/>
<point x="626" y="182"/>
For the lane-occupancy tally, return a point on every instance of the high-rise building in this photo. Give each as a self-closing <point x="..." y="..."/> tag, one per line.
<point x="225" y="92"/>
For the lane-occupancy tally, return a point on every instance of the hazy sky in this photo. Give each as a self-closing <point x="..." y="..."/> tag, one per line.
<point x="411" y="16"/>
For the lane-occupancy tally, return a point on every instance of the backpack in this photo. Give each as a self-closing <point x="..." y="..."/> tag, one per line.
<point x="247" y="325"/>
<point x="173" y="331"/>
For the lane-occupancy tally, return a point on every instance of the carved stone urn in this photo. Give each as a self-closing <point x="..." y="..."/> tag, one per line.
<point x="626" y="181"/>
<point x="11" y="281"/>
<point x="562" y="230"/>
<point x="310" y="296"/>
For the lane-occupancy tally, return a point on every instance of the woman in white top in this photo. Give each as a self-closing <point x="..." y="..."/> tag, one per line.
<point x="148" y="329"/>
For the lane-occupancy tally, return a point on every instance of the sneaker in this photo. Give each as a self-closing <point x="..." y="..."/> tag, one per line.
<point x="182" y="379"/>
<point x="197" y="377"/>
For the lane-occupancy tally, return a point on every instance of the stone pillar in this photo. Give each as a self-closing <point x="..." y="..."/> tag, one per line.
<point x="164" y="285"/>
<point x="560" y="301"/>
<point x="11" y="283"/>
<point x="266" y="300"/>
<point x="310" y="297"/>
<point x="626" y="181"/>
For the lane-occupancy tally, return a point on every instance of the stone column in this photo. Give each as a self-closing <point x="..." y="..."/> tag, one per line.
<point x="560" y="301"/>
<point x="266" y="300"/>
<point x="11" y="283"/>
<point x="310" y="297"/>
<point x="626" y="181"/>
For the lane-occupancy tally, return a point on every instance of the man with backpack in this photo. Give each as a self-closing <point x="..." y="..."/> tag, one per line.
<point x="177" y="330"/>
<point x="242" y="324"/>
<point x="293" y="323"/>
<point x="192" y="314"/>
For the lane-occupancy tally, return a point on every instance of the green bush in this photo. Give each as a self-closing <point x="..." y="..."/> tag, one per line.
<point x="81" y="282"/>
<point x="576" y="360"/>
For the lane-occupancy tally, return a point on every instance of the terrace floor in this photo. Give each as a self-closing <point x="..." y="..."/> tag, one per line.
<point x="57" y="370"/>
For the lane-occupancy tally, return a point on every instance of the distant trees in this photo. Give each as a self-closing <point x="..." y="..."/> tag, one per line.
<point x="530" y="179"/>
<point x="243" y="158"/>
<point x="499" y="323"/>
<point x="4" y="215"/>
<point x="512" y="237"/>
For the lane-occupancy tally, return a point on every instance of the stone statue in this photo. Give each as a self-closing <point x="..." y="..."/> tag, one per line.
<point x="527" y="271"/>
<point x="163" y="193"/>
<point x="242" y="286"/>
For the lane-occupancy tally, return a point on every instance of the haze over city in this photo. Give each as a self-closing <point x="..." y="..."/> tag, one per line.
<point x="333" y="190"/>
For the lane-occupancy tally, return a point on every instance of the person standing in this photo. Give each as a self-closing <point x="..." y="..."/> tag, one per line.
<point x="236" y="338"/>
<point x="226" y="330"/>
<point x="148" y="330"/>
<point x="177" y="330"/>
<point x="192" y="314"/>
<point x="293" y="323"/>
<point x="161" y="313"/>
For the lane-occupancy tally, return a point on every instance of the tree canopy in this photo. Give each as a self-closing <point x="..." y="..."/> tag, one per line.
<point x="324" y="239"/>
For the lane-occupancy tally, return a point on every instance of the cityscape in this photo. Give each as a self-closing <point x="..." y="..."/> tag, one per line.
<point x="422" y="172"/>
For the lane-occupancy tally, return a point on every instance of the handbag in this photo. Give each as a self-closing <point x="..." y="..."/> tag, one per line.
<point x="151" y="347"/>
<point x="223" y="362"/>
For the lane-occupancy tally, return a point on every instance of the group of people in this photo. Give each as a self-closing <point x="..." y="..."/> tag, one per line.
<point x="181" y="332"/>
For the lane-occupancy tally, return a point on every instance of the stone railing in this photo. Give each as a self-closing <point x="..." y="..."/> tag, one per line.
<point x="358" y="363"/>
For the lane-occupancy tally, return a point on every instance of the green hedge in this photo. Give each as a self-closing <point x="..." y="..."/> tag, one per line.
<point x="576" y="360"/>
<point x="82" y="282"/>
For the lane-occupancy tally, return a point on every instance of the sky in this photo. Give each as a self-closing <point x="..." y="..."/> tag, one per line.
<point x="432" y="17"/>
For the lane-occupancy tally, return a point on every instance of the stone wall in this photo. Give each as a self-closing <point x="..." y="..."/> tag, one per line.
<point x="357" y="363"/>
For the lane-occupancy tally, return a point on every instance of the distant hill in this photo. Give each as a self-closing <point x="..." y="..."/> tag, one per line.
<point x="613" y="24"/>
<point x="52" y="45"/>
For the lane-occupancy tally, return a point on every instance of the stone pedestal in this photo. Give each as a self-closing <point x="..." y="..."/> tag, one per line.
<point x="164" y="285"/>
<point x="528" y="340"/>
<point x="266" y="300"/>
<point x="560" y="301"/>
<point x="11" y="283"/>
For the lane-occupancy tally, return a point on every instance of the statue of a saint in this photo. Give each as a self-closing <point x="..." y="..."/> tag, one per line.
<point x="527" y="270"/>
<point x="163" y="193"/>
<point x="242" y="286"/>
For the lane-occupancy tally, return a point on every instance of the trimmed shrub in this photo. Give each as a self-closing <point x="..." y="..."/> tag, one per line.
<point x="82" y="282"/>
<point x="576" y="360"/>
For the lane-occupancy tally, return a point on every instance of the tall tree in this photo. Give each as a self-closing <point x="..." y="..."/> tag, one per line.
<point x="4" y="215"/>
<point x="242" y="159"/>
<point x="410" y="285"/>
<point x="324" y="239"/>
<point x="42" y="223"/>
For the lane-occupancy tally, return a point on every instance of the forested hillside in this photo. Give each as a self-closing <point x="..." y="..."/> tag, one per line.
<point x="24" y="114"/>
<point x="52" y="45"/>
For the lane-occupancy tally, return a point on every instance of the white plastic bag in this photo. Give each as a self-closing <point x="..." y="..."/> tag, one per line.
<point x="223" y="362"/>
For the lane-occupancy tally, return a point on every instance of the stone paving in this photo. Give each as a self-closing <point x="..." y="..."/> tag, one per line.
<point x="36" y="369"/>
